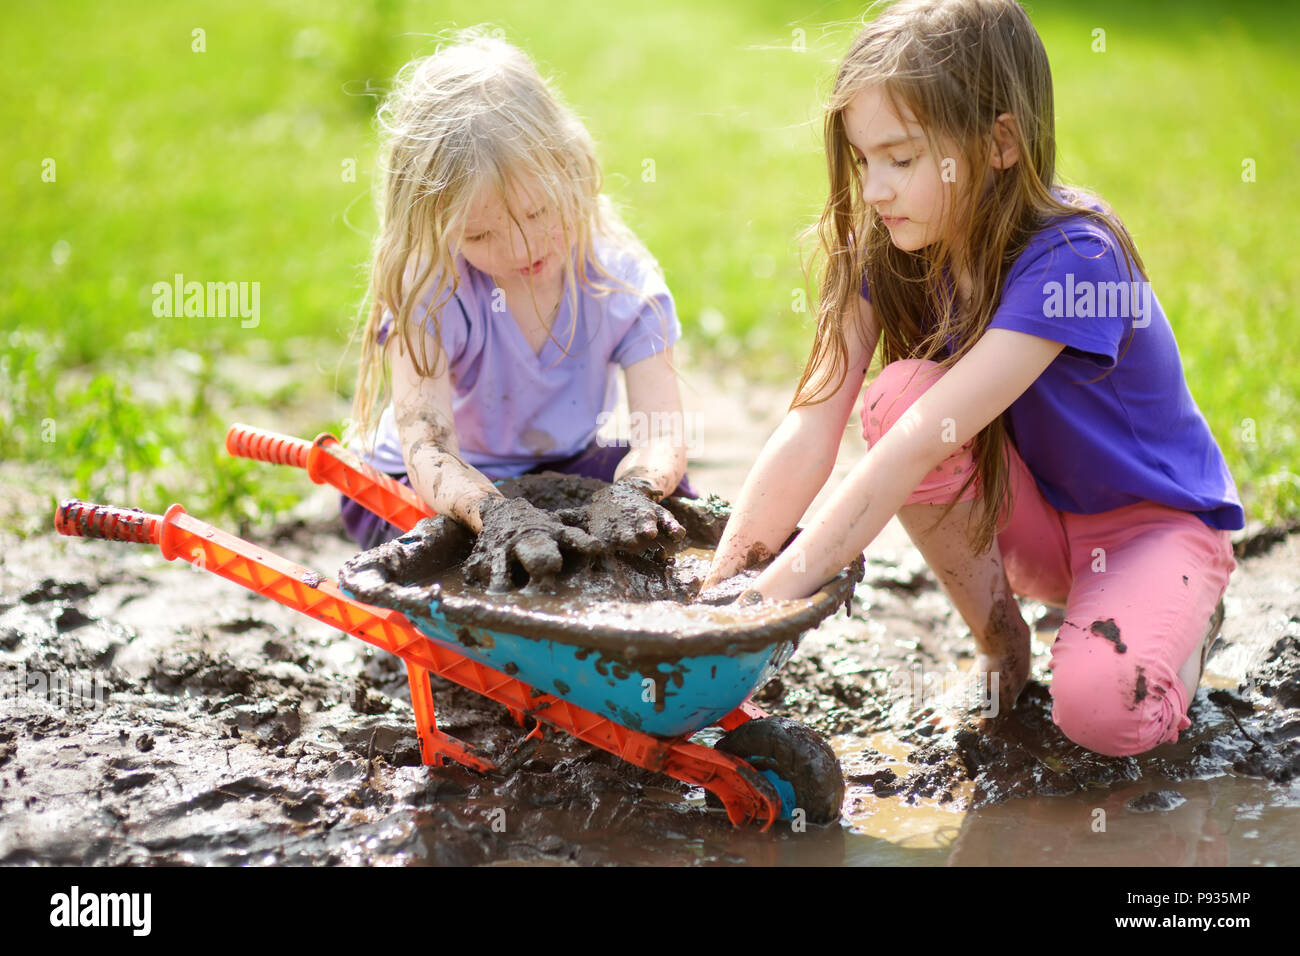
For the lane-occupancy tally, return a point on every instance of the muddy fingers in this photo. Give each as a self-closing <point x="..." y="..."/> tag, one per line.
<point x="539" y="555"/>
<point x="522" y="545"/>
<point x="1001" y="680"/>
<point x="627" y="517"/>
<point x="579" y="541"/>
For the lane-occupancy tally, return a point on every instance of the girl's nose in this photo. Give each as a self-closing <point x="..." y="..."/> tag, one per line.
<point x="875" y="188"/>
<point x="524" y="243"/>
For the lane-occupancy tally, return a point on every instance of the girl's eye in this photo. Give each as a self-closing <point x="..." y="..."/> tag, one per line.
<point x="538" y="214"/>
<point x="481" y="236"/>
<point x="896" y="163"/>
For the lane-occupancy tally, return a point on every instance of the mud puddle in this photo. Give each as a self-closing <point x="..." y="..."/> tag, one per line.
<point x="156" y="714"/>
<point x="1226" y="793"/>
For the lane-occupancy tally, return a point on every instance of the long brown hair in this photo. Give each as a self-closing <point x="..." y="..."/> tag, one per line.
<point x="956" y="65"/>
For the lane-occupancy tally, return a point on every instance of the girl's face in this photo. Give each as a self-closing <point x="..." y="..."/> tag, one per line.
<point x="909" y="187"/>
<point x="512" y="254"/>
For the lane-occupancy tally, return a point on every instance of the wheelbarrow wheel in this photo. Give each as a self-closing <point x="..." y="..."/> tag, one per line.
<point x="802" y="766"/>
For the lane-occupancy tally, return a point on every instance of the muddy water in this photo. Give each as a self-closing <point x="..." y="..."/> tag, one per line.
<point x="155" y="714"/>
<point x="1228" y="792"/>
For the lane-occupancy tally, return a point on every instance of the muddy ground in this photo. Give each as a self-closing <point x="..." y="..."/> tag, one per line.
<point x="152" y="713"/>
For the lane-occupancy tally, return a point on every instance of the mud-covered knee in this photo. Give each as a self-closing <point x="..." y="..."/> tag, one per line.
<point x="1117" y="731"/>
<point x="1128" y="721"/>
<point x="890" y="394"/>
<point x="1107" y="734"/>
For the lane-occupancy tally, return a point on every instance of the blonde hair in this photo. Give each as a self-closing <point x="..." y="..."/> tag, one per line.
<point x="956" y="65"/>
<point x="475" y="113"/>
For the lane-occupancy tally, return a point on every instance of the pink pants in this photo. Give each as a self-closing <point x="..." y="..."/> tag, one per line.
<point x="1139" y="585"/>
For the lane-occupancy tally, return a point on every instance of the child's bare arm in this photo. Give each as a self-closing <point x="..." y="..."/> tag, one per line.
<point x="626" y="516"/>
<point x="422" y="409"/>
<point x="658" y="451"/>
<point x="969" y="396"/>
<point x="794" y="464"/>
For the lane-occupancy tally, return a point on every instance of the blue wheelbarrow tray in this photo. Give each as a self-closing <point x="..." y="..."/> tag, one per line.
<point x="662" y="666"/>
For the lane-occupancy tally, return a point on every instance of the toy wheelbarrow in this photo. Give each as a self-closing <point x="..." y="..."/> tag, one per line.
<point x="636" y="683"/>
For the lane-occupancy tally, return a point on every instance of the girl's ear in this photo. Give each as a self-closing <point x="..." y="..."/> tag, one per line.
<point x="1006" y="151"/>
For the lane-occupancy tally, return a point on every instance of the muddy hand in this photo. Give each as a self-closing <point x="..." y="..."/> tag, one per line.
<point x="627" y="517"/>
<point x="986" y="694"/>
<point x="728" y="593"/>
<point x="517" y="534"/>
<point x="1005" y="676"/>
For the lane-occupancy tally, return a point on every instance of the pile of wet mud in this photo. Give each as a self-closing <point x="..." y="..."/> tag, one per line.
<point x="642" y="603"/>
<point x="434" y="557"/>
<point x="153" y="713"/>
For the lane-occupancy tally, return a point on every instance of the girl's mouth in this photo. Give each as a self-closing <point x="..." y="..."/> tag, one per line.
<point x="535" y="268"/>
<point x="892" y="222"/>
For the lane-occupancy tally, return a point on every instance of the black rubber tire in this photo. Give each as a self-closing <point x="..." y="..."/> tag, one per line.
<point x="796" y="754"/>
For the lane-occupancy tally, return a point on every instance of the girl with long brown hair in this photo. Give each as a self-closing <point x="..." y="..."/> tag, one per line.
<point x="1031" y="426"/>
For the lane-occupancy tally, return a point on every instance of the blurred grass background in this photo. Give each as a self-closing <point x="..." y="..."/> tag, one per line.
<point x="228" y="165"/>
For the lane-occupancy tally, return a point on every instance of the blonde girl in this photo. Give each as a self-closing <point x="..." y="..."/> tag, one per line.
<point x="505" y="294"/>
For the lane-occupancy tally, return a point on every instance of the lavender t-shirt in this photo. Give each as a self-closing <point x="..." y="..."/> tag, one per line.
<point x="1134" y="435"/>
<point x="515" y="409"/>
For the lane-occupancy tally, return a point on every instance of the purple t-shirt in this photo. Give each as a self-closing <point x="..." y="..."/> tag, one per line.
<point x="1134" y="435"/>
<point x="515" y="409"/>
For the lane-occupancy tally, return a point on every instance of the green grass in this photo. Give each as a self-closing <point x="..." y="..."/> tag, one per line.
<point x="226" y="165"/>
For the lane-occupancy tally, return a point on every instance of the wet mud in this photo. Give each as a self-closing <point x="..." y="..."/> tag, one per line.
<point x="441" y="551"/>
<point x="552" y="528"/>
<point x="152" y="713"/>
<point x="900" y="716"/>
<point x="638" y="606"/>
